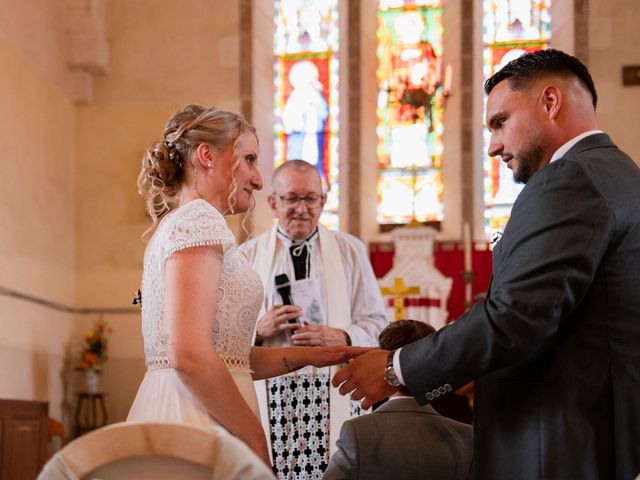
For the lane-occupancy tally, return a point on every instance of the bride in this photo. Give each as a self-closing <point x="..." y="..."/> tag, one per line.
<point x="200" y="298"/>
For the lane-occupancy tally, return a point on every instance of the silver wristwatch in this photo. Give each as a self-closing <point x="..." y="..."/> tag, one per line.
<point x="390" y="372"/>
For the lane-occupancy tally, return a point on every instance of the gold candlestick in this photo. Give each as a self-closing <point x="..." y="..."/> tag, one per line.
<point x="467" y="276"/>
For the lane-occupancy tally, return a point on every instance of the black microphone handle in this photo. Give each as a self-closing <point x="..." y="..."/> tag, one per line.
<point x="286" y="300"/>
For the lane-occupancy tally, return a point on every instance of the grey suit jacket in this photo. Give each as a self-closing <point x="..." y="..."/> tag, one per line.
<point x="402" y="440"/>
<point x="556" y="345"/>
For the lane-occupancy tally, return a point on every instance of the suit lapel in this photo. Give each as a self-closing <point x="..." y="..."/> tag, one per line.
<point x="597" y="140"/>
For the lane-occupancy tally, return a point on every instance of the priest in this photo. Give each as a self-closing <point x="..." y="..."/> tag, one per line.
<point x="336" y="301"/>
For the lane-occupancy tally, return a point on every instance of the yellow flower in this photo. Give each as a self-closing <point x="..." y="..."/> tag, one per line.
<point x="94" y="351"/>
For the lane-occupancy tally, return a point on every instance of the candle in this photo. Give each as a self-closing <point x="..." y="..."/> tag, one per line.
<point x="446" y="89"/>
<point x="466" y="236"/>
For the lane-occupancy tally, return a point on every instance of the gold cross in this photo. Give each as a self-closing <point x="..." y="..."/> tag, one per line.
<point x="399" y="291"/>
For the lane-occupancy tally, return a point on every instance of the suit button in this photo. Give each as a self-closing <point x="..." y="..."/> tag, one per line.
<point x="442" y="390"/>
<point x="448" y="387"/>
<point x="435" y="392"/>
<point x="429" y="396"/>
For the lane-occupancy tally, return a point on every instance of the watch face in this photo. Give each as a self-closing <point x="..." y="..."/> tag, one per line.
<point x="389" y="373"/>
<point x="391" y="377"/>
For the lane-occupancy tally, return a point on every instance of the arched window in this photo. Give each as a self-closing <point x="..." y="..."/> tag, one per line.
<point x="306" y="111"/>
<point x="510" y="28"/>
<point x="409" y="111"/>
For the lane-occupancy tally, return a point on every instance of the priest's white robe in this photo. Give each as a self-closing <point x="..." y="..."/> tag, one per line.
<point x="350" y="294"/>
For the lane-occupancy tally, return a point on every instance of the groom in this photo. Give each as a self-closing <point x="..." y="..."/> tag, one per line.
<point x="555" y="346"/>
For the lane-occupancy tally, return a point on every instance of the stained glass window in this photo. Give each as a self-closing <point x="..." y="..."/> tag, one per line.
<point x="510" y="28"/>
<point x="409" y="110"/>
<point x="306" y="91"/>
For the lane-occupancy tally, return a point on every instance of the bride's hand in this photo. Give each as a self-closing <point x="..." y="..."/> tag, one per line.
<point x="326" y="356"/>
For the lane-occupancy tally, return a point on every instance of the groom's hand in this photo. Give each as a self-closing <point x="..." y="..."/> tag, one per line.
<point x="364" y="378"/>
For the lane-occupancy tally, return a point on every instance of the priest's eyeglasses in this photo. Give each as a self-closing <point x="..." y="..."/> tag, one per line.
<point x="293" y="201"/>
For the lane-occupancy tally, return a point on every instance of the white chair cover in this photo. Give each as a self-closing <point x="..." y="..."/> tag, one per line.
<point x="156" y="451"/>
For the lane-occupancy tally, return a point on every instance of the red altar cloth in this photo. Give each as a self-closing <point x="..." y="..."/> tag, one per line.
<point x="449" y="259"/>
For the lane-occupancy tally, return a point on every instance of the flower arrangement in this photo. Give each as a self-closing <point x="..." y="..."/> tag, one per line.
<point x="94" y="352"/>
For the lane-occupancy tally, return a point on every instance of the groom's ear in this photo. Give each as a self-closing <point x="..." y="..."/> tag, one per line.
<point x="551" y="101"/>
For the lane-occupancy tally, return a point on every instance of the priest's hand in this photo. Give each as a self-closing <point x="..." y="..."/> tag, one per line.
<point x="276" y="320"/>
<point x="364" y="378"/>
<point x="313" y="335"/>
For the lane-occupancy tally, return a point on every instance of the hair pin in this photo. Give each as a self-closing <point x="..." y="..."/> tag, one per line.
<point x="174" y="155"/>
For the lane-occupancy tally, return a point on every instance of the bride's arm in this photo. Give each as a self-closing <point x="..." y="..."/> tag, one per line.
<point x="271" y="362"/>
<point x="191" y="281"/>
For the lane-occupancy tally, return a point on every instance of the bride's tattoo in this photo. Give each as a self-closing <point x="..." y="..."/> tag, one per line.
<point x="286" y="365"/>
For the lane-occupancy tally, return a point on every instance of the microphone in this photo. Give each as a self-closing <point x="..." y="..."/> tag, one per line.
<point x="284" y="290"/>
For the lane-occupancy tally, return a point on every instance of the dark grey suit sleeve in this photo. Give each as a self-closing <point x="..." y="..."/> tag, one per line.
<point x="559" y="231"/>
<point x="343" y="464"/>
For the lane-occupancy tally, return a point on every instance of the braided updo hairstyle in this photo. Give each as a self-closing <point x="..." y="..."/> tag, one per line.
<point x="164" y="163"/>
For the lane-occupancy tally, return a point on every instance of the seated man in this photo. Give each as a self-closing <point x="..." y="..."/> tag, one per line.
<point x="401" y="439"/>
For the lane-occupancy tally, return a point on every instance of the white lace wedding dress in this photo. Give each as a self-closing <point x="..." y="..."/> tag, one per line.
<point x="162" y="396"/>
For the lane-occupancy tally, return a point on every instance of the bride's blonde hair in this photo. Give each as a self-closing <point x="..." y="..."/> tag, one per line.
<point x="164" y="162"/>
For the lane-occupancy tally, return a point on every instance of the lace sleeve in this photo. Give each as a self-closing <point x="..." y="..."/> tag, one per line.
<point x="194" y="225"/>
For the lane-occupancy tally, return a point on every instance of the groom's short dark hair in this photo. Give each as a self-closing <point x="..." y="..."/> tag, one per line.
<point x="534" y="65"/>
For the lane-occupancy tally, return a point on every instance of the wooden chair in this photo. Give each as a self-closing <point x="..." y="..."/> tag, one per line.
<point x="156" y="451"/>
